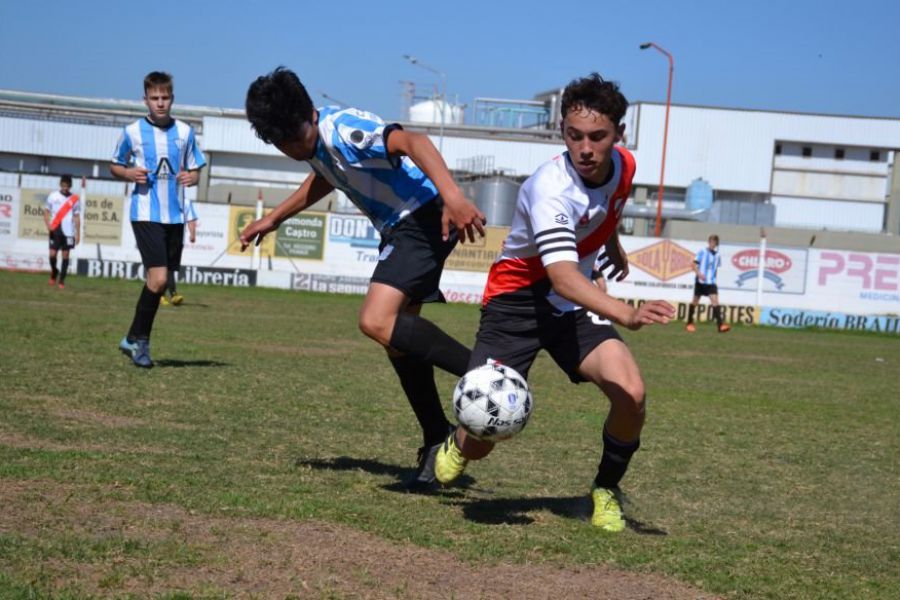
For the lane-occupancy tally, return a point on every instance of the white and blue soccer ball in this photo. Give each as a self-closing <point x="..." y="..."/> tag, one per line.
<point x="492" y="402"/>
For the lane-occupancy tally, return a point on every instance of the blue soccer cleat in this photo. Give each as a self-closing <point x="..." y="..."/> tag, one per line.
<point x="138" y="351"/>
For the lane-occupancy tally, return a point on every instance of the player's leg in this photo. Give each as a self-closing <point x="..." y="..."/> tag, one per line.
<point x="512" y="340"/>
<point x="612" y="367"/>
<point x="695" y="301"/>
<point x="152" y="244"/>
<point x="64" y="267"/>
<point x="717" y="312"/>
<point x="378" y="316"/>
<point x="172" y="287"/>
<point x="54" y="248"/>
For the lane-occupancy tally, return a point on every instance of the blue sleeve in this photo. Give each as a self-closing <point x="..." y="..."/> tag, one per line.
<point x="361" y="141"/>
<point x="122" y="155"/>
<point x="194" y="157"/>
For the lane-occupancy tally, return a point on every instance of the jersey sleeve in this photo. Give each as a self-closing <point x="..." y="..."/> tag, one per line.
<point x="76" y="208"/>
<point x="122" y="155"/>
<point x="193" y="159"/>
<point x="699" y="258"/>
<point x="552" y="222"/>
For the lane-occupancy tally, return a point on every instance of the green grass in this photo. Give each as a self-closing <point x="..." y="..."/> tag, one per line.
<point x="768" y="466"/>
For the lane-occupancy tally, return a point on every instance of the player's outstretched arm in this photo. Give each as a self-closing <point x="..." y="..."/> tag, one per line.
<point x="313" y="189"/>
<point x="464" y="215"/>
<point x="572" y="285"/>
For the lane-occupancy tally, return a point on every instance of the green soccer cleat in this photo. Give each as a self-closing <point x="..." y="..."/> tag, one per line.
<point x="449" y="462"/>
<point x="607" y="509"/>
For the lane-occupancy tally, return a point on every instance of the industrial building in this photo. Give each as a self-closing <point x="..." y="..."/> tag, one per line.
<point x="724" y="167"/>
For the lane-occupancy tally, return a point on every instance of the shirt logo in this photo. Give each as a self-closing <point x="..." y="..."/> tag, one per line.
<point x="562" y="219"/>
<point x="164" y="169"/>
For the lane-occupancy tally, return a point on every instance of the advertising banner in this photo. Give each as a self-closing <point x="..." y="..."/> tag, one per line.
<point x="868" y="283"/>
<point x="478" y="255"/>
<point x="797" y="318"/>
<point x="31" y="214"/>
<point x="9" y="217"/>
<point x="301" y="236"/>
<point x="120" y="269"/>
<point x="352" y="245"/>
<point x="103" y="218"/>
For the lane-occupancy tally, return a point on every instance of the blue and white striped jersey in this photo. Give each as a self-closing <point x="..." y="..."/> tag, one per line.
<point x="351" y="155"/>
<point x="164" y="152"/>
<point x="708" y="262"/>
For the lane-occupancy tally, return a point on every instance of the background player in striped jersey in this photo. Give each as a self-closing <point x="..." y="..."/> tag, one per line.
<point x="62" y="215"/>
<point x="399" y="180"/>
<point x="539" y="293"/>
<point x="160" y="156"/>
<point x="706" y="267"/>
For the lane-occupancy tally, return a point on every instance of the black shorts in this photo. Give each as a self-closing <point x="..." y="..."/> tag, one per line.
<point x="160" y="244"/>
<point x="59" y="240"/>
<point x="515" y="339"/>
<point x="412" y="254"/>
<point x="705" y="289"/>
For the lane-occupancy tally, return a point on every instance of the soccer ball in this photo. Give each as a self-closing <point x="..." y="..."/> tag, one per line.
<point x="492" y="402"/>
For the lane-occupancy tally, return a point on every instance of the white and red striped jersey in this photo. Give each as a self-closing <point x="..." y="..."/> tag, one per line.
<point x="557" y="218"/>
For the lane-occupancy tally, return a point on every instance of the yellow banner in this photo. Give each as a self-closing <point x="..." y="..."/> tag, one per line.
<point x="238" y="218"/>
<point x="31" y="214"/>
<point x="103" y="217"/>
<point x="480" y="255"/>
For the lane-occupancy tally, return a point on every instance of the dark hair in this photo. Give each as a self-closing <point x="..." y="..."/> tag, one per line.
<point x="278" y="106"/>
<point x="66" y="179"/>
<point x="157" y="79"/>
<point x="595" y="93"/>
<point x="714" y="238"/>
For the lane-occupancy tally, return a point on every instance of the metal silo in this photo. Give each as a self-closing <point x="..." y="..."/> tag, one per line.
<point x="496" y="197"/>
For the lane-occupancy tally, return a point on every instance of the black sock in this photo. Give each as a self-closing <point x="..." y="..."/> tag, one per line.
<point x="717" y="313"/>
<point x="144" y="313"/>
<point x="614" y="462"/>
<point x="170" y="282"/>
<point x="422" y="339"/>
<point x="417" y="380"/>
<point x="53" y="270"/>
<point x="691" y="313"/>
<point x="64" y="270"/>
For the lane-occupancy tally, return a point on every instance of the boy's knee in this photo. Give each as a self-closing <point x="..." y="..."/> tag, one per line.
<point x="375" y="328"/>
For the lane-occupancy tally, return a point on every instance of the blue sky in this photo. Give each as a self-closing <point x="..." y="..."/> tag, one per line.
<point x="797" y="55"/>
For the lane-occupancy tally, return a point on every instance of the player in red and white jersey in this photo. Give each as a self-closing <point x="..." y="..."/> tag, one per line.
<point x="62" y="216"/>
<point x="540" y="294"/>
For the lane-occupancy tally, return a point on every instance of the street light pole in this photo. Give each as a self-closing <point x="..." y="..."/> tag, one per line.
<point x="443" y="76"/>
<point x="662" y="168"/>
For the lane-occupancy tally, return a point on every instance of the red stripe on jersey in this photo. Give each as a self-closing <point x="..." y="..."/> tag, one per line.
<point x="512" y="274"/>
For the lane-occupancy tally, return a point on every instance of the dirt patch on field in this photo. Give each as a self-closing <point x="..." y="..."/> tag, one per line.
<point x="163" y="549"/>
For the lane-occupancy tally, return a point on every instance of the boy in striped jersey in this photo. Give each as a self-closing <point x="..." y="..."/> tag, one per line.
<point x="399" y="180"/>
<point x="706" y="267"/>
<point x="539" y="294"/>
<point x="159" y="155"/>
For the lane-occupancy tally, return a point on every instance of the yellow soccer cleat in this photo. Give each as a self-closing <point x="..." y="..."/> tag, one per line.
<point x="177" y="299"/>
<point x="449" y="462"/>
<point x="163" y="301"/>
<point x="607" y="510"/>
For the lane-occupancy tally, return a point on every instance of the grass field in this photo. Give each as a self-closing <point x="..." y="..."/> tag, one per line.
<point x="768" y="468"/>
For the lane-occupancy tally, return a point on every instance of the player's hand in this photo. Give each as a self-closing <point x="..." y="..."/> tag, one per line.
<point x="613" y="256"/>
<point x="188" y="178"/>
<point x="77" y="239"/>
<point x="137" y="174"/>
<point x="700" y="277"/>
<point x="193" y="237"/>
<point x="467" y="219"/>
<point x="256" y="231"/>
<point x="653" y="311"/>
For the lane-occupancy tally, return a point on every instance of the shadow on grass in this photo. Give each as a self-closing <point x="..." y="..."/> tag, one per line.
<point x="374" y="467"/>
<point x="514" y="511"/>
<point x="173" y="363"/>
